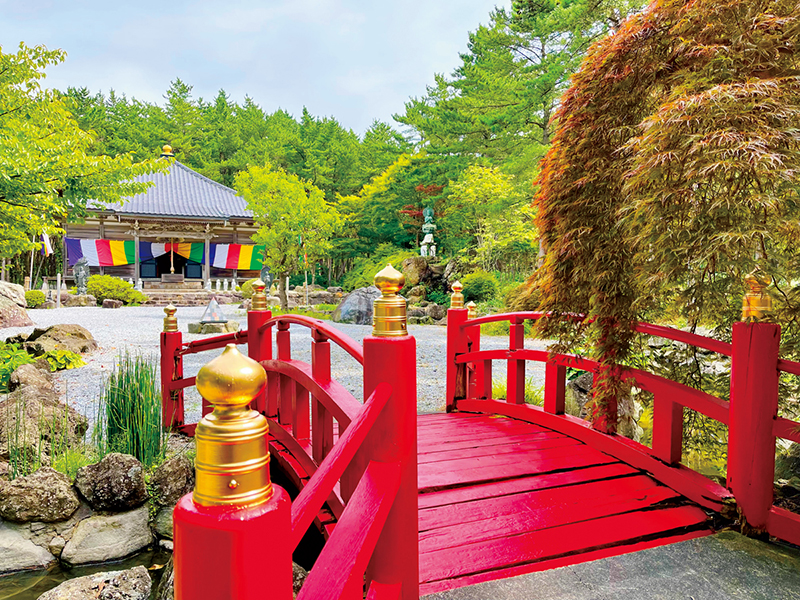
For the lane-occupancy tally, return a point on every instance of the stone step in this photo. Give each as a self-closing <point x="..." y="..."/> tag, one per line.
<point x="188" y="284"/>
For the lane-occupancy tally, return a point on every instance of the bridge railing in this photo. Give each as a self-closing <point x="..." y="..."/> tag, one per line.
<point x="751" y="415"/>
<point x="366" y="475"/>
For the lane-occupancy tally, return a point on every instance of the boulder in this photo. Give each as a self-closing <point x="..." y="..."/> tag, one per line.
<point x="415" y="270"/>
<point x="172" y="480"/>
<point x="115" y="483"/>
<point x="209" y="328"/>
<point x="166" y="587"/>
<point x="30" y="375"/>
<point x="334" y="290"/>
<point x="426" y="320"/>
<point x="13" y="292"/>
<point x="111" y="303"/>
<point x="79" y="300"/>
<point x="18" y="553"/>
<point x="47" y="304"/>
<point x="321" y="297"/>
<point x="436" y="311"/>
<point x="133" y="584"/>
<point x="356" y="307"/>
<point x="30" y="414"/>
<point x="416" y="313"/>
<point x="13" y="315"/>
<point x="45" y="495"/>
<point x="416" y="294"/>
<point x="108" y="537"/>
<point x="581" y="388"/>
<point x="299" y="575"/>
<point x="60" y="337"/>
<point x="162" y="524"/>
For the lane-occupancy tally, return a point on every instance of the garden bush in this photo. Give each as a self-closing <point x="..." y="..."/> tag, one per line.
<point x="11" y="358"/>
<point x="34" y="298"/>
<point x="247" y="288"/>
<point x="438" y="297"/>
<point x="364" y="269"/>
<point x="479" y="286"/>
<point x="106" y="286"/>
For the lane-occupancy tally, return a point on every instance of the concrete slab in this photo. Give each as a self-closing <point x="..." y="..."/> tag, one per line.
<point x="725" y="566"/>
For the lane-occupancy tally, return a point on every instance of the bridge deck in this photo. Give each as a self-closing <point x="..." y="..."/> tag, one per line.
<point x="501" y="497"/>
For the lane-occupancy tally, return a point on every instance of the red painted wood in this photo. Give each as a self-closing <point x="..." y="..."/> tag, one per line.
<point x="554" y="563"/>
<point x="555" y="388"/>
<point x="430" y="451"/>
<point x="456" y="344"/>
<point x="182" y="383"/>
<point x="667" y="429"/>
<point x="486" y="393"/>
<point x="212" y="343"/>
<point x="694" y="486"/>
<point x="319" y="488"/>
<point x="345" y="342"/>
<point x="786" y="429"/>
<point x="515" y="373"/>
<point x="475" y="372"/>
<point x="754" y="408"/>
<point x="519" y="449"/>
<point x="784" y="525"/>
<point x="171" y="370"/>
<point x="539" y="545"/>
<point x="212" y="544"/>
<point x="338" y="572"/>
<point x="789" y="366"/>
<point x="259" y="347"/>
<point x="321" y="418"/>
<point x="273" y="394"/>
<point x="380" y="591"/>
<point x="301" y="415"/>
<point x="528" y="483"/>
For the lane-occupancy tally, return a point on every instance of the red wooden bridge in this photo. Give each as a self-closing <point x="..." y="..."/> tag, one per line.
<point x="411" y="504"/>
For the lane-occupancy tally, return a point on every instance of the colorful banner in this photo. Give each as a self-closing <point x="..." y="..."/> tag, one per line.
<point x="237" y="256"/>
<point x="101" y="253"/>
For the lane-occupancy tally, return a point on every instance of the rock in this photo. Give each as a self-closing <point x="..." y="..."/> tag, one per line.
<point x="628" y="413"/>
<point x="133" y="584"/>
<point x="787" y="464"/>
<point x="581" y="388"/>
<point x="415" y="270"/>
<point x="209" y="328"/>
<point x="356" y="307"/>
<point x="111" y="303"/>
<point x="451" y="273"/>
<point x="426" y="320"/>
<point x="299" y="575"/>
<point x="79" y="300"/>
<point x="108" y="537"/>
<point x="29" y="414"/>
<point x="416" y="312"/>
<point x="321" y="297"/>
<point x="166" y="587"/>
<point x="13" y="315"/>
<point x="335" y="290"/>
<point x="162" y="524"/>
<point x="45" y="495"/>
<point x="167" y="545"/>
<point x="179" y="443"/>
<point x="32" y="376"/>
<point x="18" y="553"/>
<point x="172" y="480"/>
<point x="115" y="483"/>
<point x="13" y="292"/>
<point x="416" y="294"/>
<point x="60" y="337"/>
<point x="436" y="311"/>
<point x="56" y="546"/>
<point x="47" y="304"/>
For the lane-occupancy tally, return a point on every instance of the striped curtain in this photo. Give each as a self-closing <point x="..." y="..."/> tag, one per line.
<point x="101" y="253"/>
<point x="238" y="256"/>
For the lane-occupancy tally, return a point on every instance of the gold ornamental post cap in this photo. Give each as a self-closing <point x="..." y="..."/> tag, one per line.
<point x="457" y="298"/>
<point x="232" y="463"/>
<point x="472" y="310"/>
<point x="389" y="311"/>
<point x="170" y="321"/>
<point x="166" y="150"/>
<point x="259" y="301"/>
<point x="756" y="303"/>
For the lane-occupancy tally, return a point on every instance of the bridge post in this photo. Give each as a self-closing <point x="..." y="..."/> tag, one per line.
<point x="476" y="385"/>
<point x="232" y="534"/>
<point x="390" y="356"/>
<point x="259" y="343"/>
<point x="171" y="370"/>
<point x="753" y="408"/>
<point x="457" y="343"/>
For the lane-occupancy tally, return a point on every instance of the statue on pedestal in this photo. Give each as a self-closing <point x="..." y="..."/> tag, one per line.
<point x="428" y="246"/>
<point x="81" y="272"/>
<point x="266" y="277"/>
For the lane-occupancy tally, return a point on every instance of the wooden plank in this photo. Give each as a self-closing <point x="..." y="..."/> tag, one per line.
<point x="432" y="479"/>
<point x="556" y="541"/>
<point x="466" y="433"/>
<point x="563" y="561"/>
<point x="476" y="421"/>
<point x="488" y="508"/>
<point x="428" y="419"/>
<point x="540" y="519"/>
<point x="433" y="449"/>
<point x="519" y="448"/>
<point x="525" y="484"/>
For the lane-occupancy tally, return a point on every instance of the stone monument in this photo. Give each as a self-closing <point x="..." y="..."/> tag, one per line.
<point x="81" y="271"/>
<point x="428" y="246"/>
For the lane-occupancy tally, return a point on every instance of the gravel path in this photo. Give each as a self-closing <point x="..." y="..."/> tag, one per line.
<point x="136" y="329"/>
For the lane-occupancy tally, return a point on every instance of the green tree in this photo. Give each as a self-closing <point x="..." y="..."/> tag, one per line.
<point x="294" y="220"/>
<point x="48" y="172"/>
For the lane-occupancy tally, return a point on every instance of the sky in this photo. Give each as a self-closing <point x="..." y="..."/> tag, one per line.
<point x="354" y="60"/>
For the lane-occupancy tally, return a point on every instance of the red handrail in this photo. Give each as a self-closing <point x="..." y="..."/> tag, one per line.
<point x="345" y="342"/>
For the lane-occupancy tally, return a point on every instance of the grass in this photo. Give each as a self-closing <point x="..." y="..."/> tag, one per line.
<point x="503" y="328"/>
<point x="533" y="394"/>
<point x="314" y="314"/>
<point x="129" y="419"/>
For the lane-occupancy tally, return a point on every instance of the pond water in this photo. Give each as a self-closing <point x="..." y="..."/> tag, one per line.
<point x="29" y="585"/>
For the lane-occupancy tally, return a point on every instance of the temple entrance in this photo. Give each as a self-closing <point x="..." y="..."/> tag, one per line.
<point x="154" y="268"/>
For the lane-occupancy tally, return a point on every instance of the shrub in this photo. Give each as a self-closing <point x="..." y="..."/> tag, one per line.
<point x="438" y="297"/>
<point x="63" y="359"/>
<point x="34" y="298"/>
<point x="130" y="411"/>
<point x="11" y="357"/>
<point x="247" y="288"/>
<point x="364" y="269"/>
<point x="106" y="286"/>
<point x="479" y="286"/>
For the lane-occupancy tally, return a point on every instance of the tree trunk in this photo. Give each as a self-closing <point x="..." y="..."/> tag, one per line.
<point x="282" y="291"/>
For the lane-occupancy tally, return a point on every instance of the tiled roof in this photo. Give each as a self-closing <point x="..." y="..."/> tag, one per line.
<point x="183" y="193"/>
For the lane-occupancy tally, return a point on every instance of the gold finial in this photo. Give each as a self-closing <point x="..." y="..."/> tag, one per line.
<point x="232" y="463"/>
<point x="756" y="303"/>
<point x="167" y="151"/>
<point x="259" y="301"/>
<point x="472" y="310"/>
<point x="170" y="321"/>
<point x="389" y="311"/>
<point x="457" y="299"/>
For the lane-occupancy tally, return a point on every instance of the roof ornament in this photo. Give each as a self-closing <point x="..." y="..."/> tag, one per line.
<point x="166" y="151"/>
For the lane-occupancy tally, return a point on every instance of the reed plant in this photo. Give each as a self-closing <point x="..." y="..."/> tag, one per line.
<point x="129" y="412"/>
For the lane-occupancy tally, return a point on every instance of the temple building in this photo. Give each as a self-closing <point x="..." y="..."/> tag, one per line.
<point x="186" y="226"/>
